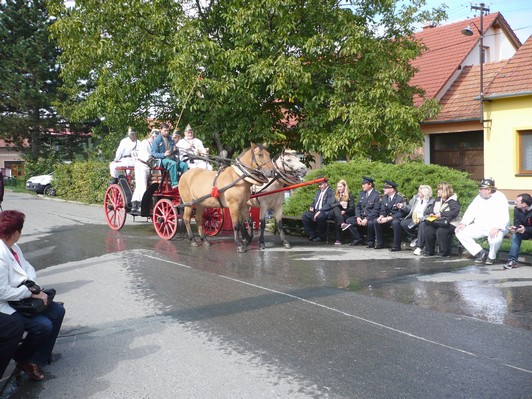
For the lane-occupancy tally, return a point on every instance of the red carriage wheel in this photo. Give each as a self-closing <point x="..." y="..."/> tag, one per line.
<point x="213" y="220"/>
<point x="115" y="207"/>
<point x="165" y="219"/>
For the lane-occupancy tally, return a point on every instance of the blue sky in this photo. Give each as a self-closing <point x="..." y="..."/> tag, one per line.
<point x="518" y="13"/>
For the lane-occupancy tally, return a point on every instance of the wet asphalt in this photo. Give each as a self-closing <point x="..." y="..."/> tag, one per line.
<point x="150" y="318"/>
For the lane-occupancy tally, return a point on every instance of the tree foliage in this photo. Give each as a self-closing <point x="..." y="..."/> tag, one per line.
<point x="313" y="75"/>
<point x="29" y="73"/>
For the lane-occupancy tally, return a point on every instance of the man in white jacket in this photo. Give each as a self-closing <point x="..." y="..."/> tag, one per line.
<point x="487" y="216"/>
<point x="126" y="153"/>
<point x="142" y="171"/>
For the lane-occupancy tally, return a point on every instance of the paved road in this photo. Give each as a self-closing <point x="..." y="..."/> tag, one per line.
<point x="147" y="318"/>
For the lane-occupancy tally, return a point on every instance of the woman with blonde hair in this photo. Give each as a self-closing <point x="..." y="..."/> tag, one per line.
<point x="343" y="207"/>
<point x="416" y="212"/>
<point x="443" y="219"/>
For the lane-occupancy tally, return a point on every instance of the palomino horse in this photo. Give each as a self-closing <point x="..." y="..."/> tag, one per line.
<point x="228" y="188"/>
<point x="288" y="170"/>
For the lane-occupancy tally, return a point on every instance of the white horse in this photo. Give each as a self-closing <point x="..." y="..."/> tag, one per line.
<point x="288" y="170"/>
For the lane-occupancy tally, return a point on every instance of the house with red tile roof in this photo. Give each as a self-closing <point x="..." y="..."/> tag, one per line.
<point x="449" y="71"/>
<point x="508" y="133"/>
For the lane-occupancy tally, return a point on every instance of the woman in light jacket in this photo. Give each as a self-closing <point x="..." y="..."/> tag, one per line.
<point x="445" y="212"/>
<point x="43" y="328"/>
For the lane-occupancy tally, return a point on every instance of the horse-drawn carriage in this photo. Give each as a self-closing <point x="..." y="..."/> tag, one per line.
<point x="206" y="193"/>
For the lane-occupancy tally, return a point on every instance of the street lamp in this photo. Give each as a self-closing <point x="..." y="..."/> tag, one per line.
<point x="467" y="31"/>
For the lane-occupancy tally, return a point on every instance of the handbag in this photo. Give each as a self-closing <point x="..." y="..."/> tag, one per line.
<point x="32" y="306"/>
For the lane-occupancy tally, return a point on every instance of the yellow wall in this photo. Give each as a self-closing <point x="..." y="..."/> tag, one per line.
<point x="507" y="115"/>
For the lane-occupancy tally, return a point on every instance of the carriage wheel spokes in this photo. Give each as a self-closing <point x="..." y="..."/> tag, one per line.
<point x="115" y="207"/>
<point x="165" y="219"/>
<point x="213" y="220"/>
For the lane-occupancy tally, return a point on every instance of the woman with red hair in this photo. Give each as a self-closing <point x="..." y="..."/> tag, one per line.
<point x="43" y="328"/>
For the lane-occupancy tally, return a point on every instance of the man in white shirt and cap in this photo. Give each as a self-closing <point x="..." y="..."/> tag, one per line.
<point x="142" y="171"/>
<point x="487" y="216"/>
<point x="190" y="146"/>
<point x="126" y="153"/>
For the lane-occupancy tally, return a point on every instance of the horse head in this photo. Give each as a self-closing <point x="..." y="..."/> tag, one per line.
<point x="257" y="163"/>
<point x="289" y="167"/>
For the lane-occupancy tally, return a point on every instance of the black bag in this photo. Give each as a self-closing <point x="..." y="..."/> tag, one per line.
<point x="32" y="306"/>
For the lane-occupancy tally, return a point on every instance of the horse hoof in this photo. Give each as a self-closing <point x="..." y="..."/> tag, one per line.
<point x="287" y="245"/>
<point x="194" y="244"/>
<point x="262" y="246"/>
<point x="206" y="243"/>
<point x="241" y="249"/>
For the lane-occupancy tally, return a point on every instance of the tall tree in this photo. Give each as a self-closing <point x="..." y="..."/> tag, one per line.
<point x="316" y="75"/>
<point x="29" y="73"/>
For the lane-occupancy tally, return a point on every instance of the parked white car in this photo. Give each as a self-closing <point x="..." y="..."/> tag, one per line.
<point x="41" y="184"/>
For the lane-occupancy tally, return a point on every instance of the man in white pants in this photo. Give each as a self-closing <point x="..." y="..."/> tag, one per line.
<point x="142" y="171"/>
<point x="125" y="153"/>
<point x="487" y="216"/>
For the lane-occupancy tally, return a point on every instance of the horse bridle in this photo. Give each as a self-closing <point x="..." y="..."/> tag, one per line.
<point x="253" y="173"/>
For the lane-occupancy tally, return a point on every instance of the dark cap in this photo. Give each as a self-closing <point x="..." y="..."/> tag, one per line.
<point x="488" y="183"/>
<point x="389" y="184"/>
<point x="366" y="179"/>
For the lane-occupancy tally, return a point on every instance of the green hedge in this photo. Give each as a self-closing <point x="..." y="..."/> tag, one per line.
<point x="409" y="176"/>
<point x="82" y="181"/>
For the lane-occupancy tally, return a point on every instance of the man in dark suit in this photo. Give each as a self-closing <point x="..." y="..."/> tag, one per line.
<point x="366" y="211"/>
<point x="391" y="213"/>
<point x="11" y="330"/>
<point x="319" y="212"/>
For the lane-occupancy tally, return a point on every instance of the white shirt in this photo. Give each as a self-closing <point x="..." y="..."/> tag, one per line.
<point x="144" y="150"/>
<point x="186" y="146"/>
<point x="126" y="148"/>
<point x="488" y="213"/>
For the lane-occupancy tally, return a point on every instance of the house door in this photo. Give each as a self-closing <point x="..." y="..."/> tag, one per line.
<point x="463" y="151"/>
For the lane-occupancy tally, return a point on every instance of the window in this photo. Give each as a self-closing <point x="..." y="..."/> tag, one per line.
<point x="524" y="144"/>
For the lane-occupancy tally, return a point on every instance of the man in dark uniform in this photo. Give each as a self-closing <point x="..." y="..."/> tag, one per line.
<point x="391" y="213"/>
<point x="366" y="211"/>
<point x="319" y="212"/>
<point x="11" y="330"/>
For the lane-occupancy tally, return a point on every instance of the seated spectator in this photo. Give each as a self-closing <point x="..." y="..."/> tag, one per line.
<point x="521" y="228"/>
<point x="443" y="215"/>
<point x="416" y="213"/>
<point x="189" y="147"/>
<point x="391" y="214"/>
<point x="142" y="171"/>
<point x="43" y="328"/>
<point x="487" y="216"/>
<point x="125" y="153"/>
<point x="165" y="149"/>
<point x="366" y="211"/>
<point x="11" y="331"/>
<point x="315" y="219"/>
<point x="342" y="208"/>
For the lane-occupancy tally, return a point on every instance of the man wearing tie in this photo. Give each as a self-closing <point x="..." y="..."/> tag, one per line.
<point x="319" y="212"/>
<point x="391" y="214"/>
<point x="366" y="211"/>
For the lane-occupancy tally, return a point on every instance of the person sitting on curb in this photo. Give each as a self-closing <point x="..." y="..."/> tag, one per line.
<point x="391" y="213"/>
<point x="416" y="213"/>
<point x="342" y="208"/>
<point x="444" y="216"/>
<point x="521" y="228"/>
<point x="366" y="211"/>
<point x="165" y="149"/>
<point x="319" y="212"/>
<point x="11" y="332"/>
<point x="487" y="216"/>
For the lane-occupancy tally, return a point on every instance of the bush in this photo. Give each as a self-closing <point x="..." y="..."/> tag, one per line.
<point x="409" y="176"/>
<point x="82" y="181"/>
